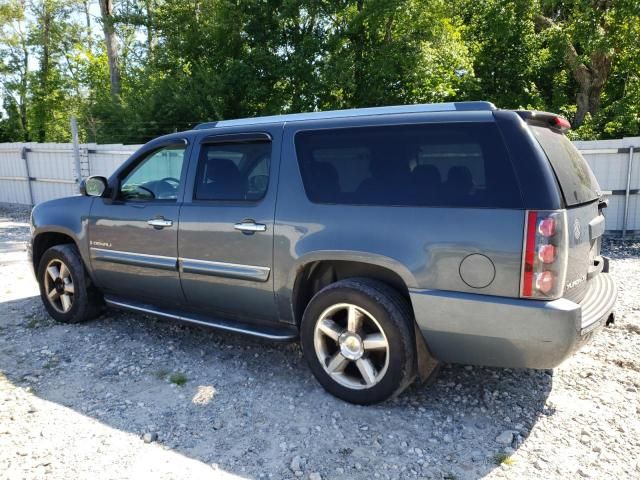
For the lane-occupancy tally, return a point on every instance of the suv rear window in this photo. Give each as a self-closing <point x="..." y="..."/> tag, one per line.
<point x="576" y="180"/>
<point x="233" y="172"/>
<point x="461" y="165"/>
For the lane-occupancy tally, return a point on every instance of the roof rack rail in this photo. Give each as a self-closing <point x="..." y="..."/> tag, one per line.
<point x="354" y="112"/>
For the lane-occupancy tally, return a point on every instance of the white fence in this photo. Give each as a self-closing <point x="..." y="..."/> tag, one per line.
<point x="615" y="165"/>
<point x="31" y="173"/>
<point x="34" y="172"/>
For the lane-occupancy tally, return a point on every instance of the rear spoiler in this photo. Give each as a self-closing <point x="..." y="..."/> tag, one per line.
<point x="550" y="120"/>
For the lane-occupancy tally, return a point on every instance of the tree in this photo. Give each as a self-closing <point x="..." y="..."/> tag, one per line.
<point x="14" y="70"/>
<point x="396" y="51"/>
<point x="42" y="103"/>
<point x="590" y="33"/>
<point x="172" y="64"/>
<point x="111" y="44"/>
<point x="55" y="39"/>
<point x="505" y="51"/>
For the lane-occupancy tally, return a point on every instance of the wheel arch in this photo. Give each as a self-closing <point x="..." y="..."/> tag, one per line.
<point x="316" y="273"/>
<point x="44" y="240"/>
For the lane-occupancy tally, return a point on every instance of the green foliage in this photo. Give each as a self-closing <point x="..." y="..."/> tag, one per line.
<point x="506" y="50"/>
<point x="178" y="378"/>
<point x="10" y="127"/>
<point x="393" y="52"/>
<point x="501" y="458"/>
<point x="182" y="62"/>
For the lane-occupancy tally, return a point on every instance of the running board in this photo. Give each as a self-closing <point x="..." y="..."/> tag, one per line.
<point x="282" y="333"/>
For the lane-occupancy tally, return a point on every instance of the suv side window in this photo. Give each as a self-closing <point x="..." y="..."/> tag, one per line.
<point x="156" y="177"/>
<point x="454" y="164"/>
<point x="233" y="172"/>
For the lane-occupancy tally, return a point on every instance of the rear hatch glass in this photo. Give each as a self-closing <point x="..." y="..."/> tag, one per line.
<point x="576" y="180"/>
<point x="580" y="190"/>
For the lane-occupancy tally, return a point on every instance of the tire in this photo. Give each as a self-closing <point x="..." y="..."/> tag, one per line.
<point x="359" y="368"/>
<point x="68" y="297"/>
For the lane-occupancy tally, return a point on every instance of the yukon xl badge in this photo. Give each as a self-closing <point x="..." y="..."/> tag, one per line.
<point x="576" y="229"/>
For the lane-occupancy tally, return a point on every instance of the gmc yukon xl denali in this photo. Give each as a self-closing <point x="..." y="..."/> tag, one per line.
<point x="386" y="239"/>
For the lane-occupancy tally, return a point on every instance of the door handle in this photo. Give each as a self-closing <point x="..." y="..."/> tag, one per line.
<point x="250" y="227"/>
<point x="160" y="222"/>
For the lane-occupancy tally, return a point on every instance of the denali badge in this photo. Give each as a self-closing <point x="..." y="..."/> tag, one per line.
<point x="99" y="244"/>
<point x="576" y="229"/>
<point x="577" y="281"/>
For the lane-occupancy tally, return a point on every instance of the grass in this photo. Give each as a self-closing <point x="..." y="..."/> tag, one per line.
<point x="178" y="378"/>
<point x="32" y="323"/>
<point x="502" y="458"/>
<point x="51" y="363"/>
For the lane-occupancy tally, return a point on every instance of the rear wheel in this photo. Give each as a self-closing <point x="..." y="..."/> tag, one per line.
<point x="357" y="336"/>
<point x="65" y="286"/>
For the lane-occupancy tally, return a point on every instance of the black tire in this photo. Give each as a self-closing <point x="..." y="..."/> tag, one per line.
<point x="87" y="302"/>
<point x="392" y="313"/>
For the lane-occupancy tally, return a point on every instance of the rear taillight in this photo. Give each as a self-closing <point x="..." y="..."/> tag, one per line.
<point x="544" y="260"/>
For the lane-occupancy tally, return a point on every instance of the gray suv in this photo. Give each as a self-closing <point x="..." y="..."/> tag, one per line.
<point x="387" y="239"/>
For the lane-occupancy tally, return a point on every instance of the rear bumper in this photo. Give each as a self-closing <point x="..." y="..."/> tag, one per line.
<point x="507" y="332"/>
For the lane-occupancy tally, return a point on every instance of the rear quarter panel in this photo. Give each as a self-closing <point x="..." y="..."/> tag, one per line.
<point x="423" y="245"/>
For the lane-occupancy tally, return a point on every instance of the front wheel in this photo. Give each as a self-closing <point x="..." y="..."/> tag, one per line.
<point x="65" y="287"/>
<point x="357" y="337"/>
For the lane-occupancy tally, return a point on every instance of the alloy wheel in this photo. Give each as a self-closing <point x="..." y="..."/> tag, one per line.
<point x="351" y="346"/>
<point x="58" y="284"/>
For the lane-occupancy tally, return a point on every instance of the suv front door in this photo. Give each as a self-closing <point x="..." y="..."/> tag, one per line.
<point x="225" y="240"/>
<point x="133" y="236"/>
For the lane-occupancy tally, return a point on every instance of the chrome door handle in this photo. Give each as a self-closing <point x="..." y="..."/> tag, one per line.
<point x="159" y="222"/>
<point x="250" y="227"/>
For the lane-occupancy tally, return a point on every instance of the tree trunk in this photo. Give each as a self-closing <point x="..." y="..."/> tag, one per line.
<point x="111" y="42"/>
<point x="358" y="39"/>
<point x="23" y="71"/>
<point x="149" y="25"/>
<point x="23" y="94"/>
<point x="87" y="16"/>
<point x="41" y="134"/>
<point x="591" y="79"/>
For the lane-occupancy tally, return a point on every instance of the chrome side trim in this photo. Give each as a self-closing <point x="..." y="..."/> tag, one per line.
<point x="186" y="265"/>
<point x="135" y="259"/>
<point x="225" y="270"/>
<point x="221" y="325"/>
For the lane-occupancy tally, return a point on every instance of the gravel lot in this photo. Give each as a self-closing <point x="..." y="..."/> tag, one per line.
<point x="129" y="396"/>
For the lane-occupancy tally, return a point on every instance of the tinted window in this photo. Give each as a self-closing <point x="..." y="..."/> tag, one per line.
<point x="233" y="171"/>
<point x="576" y="180"/>
<point x="156" y="177"/>
<point x="431" y="165"/>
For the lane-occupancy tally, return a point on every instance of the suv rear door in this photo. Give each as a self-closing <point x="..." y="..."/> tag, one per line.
<point x="581" y="193"/>
<point x="225" y="240"/>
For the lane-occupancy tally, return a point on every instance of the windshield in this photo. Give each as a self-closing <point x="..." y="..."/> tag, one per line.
<point x="576" y="179"/>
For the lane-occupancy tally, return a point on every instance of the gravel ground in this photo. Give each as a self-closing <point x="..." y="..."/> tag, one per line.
<point x="129" y="396"/>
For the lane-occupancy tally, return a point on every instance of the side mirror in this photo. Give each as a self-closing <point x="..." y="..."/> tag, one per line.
<point x="93" y="186"/>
